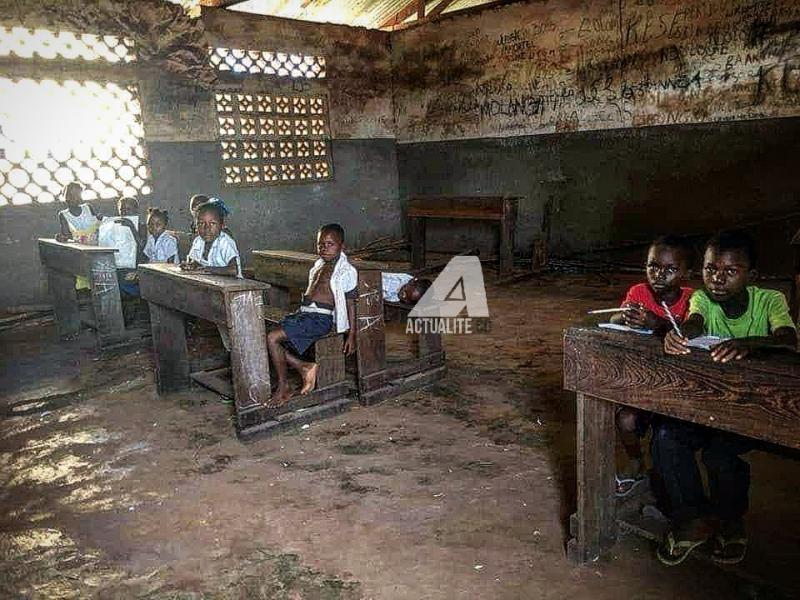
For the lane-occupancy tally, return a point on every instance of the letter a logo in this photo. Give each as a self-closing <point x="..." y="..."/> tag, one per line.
<point x="459" y="286"/>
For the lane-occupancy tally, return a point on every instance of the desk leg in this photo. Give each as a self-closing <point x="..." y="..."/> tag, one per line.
<point x="595" y="528"/>
<point x="249" y="357"/>
<point x="169" y="346"/>
<point x="65" y="302"/>
<point x="508" y="226"/>
<point x="416" y="234"/>
<point x="370" y="333"/>
<point x="106" y="301"/>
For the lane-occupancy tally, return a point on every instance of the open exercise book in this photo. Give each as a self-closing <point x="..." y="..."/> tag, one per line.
<point x="704" y="342"/>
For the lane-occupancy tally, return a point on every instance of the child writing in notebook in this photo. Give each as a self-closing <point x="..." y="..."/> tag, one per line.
<point x="753" y="319"/>
<point x="329" y="301"/>
<point x="161" y="246"/>
<point x="667" y="266"/>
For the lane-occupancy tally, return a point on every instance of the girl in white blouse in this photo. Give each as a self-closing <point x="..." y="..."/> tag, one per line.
<point x="213" y="251"/>
<point x="161" y="247"/>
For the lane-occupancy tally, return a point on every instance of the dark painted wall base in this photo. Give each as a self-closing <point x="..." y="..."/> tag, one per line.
<point x="614" y="186"/>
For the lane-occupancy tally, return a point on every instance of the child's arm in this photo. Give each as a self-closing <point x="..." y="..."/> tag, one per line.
<point x="783" y="338"/>
<point x="692" y="327"/>
<point x="230" y="270"/>
<point x="65" y="233"/>
<point x="642" y="318"/>
<point x="350" y="339"/>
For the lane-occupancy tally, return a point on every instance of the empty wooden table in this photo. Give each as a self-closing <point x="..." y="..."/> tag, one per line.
<point x="758" y="397"/>
<point x="63" y="261"/>
<point x="482" y="208"/>
<point x="235" y="304"/>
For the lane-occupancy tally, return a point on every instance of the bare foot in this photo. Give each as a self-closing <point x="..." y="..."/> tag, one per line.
<point x="309" y="378"/>
<point x="280" y="396"/>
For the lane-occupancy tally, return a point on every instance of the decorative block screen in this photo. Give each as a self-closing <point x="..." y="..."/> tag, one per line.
<point x="268" y="139"/>
<point x="52" y="133"/>
<point x="27" y="43"/>
<point x="268" y="63"/>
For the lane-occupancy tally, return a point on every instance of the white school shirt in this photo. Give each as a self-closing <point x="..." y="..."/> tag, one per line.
<point x="343" y="279"/>
<point x="223" y="249"/>
<point x="161" y="249"/>
<point x="392" y="282"/>
<point x="82" y="228"/>
<point x="116" y="235"/>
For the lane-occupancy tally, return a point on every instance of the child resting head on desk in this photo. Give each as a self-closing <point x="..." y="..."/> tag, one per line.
<point x="329" y="302"/>
<point x="754" y="319"/>
<point x="666" y="268"/>
<point x="402" y="287"/>
<point x="213" y="251"/>
<point x="161" y="246"/>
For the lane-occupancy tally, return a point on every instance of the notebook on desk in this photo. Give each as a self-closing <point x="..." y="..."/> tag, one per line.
<point x="616" y="327"/>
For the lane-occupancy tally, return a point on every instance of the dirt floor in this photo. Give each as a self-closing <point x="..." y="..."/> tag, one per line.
<point x="459" y="491"/>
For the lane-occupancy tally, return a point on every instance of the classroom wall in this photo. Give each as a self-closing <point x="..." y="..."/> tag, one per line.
<point x="631" y="118"/>
<point x="180" y="135"/>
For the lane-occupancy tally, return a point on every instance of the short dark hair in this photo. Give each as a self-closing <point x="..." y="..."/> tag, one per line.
<point x="159" y="213"/>
<point x="199" y="199"/>
<point x="213" y="207"/>
<point x="333" y="228"/>
<point x="677" y="242"/>
<point x="423" y="285"/>
<point x="736" y="240"/>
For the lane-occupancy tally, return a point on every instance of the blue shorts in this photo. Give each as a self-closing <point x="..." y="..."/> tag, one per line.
<point x="304" y="328"/>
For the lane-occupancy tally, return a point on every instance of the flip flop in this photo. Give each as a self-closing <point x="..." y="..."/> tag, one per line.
<point x="625" y="485"/>
<point x="673" y="552"/>
<point x="729" y="551"/>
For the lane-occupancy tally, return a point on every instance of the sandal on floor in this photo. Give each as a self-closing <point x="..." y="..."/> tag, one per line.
<point x="673" y="552"/>
<point x="625" y="485"/>
<point x="729" y="550"/>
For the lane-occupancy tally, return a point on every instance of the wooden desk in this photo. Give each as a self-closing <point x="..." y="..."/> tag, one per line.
<point x="757" y="397"/>
<point x="232" y="303"/>
<point x="481" y="208"/>
<point x="376" y="379"/>
<point x="64" y="261"/>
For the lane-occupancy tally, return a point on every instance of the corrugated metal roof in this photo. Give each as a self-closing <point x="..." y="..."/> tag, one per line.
<point x="364" y="13"/>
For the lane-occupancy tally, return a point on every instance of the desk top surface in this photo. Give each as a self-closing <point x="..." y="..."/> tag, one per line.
<point x="307" y="257"/>
<point x="758" y="396"/>
<point x="220" y="282"/>
<point x="75" y="246"/>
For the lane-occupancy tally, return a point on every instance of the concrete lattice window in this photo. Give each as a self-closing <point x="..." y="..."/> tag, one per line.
<point x="280" y="64"/>
<point x="41" y="43"/>
<point x="52" y="133"/>
<point x="273" y="138"/>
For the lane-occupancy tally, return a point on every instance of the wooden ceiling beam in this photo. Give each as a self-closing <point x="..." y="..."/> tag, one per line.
<point x="219" y="3"/>
<point x="439" y="8"/>
<point x="402" y="14"/>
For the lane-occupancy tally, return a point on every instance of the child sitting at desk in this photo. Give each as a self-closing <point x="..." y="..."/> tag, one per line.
<point x="328" y="301"/>
<point x="754" y="319"/>
<point x="161" y="246"/>
<point x="124" y="234"/>
<point x="78" y="222"/>
<point x="213" y="251"/>
<point x="402" y="287"/>
<point x="667" y="267"/>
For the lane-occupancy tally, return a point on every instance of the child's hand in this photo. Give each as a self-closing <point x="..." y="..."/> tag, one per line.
<point x="349" y="344"/>
<point x="60" y="237"/>
<point x="637" y="316"/>
<point x="132" y="276"/>
<point x="730" y="350"/>
<point x="675" y="344"/>
<point x="189" y="265"/>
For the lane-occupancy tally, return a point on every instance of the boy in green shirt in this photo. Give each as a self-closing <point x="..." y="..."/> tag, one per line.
<point x="754" y="319"/>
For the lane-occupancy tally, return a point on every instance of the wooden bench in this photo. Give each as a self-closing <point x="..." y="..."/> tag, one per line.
<point x="757" y="397"/>
<point x="377" y="378"/>
<point x="482" y="208"/>
<point x="63" y="262"/>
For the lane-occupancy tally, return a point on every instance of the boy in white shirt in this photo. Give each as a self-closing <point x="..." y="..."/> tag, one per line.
<point x="213" y="251"/>
<point x="329" y="301"/>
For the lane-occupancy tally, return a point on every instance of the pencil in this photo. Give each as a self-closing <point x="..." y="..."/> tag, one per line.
<point x="672" y="319"/>
<point x="601" y="311"/>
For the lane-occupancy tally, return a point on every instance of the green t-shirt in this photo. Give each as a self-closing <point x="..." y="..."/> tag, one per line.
<point x="767" y="311"/>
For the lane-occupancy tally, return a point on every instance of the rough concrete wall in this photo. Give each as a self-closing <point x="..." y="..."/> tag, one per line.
<point x="615" y="186"/>
<point x="572" y="65"/>
<point x="180" y="135"/>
